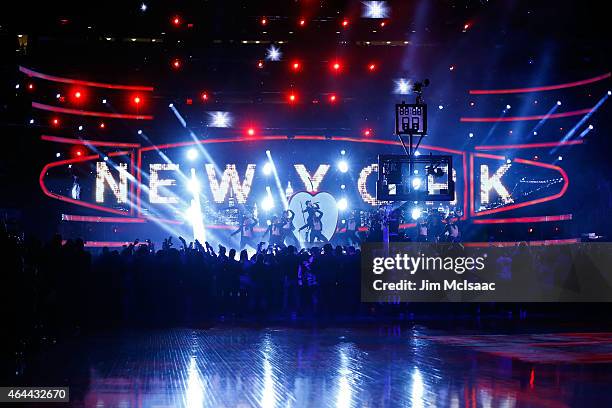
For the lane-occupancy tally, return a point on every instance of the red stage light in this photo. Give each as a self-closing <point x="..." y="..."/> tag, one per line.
<point x="189" y="101"/>
<point x="336" y="66"/>
<point x="345" y="23"/>
<point x="292" y="97"/>
<point x="31" y="86"/>
<point x="367" y="132"/>
<point x="78" y="95"/>
<point x="137" y="100"/>
<point x="55" y="122"/>
<point x="372" y="67"/>
<point x="264" y="21"/>
<point x="296" y="66"/>
<point x="251" y="131"/>
<point x="260" y="64"/>
<point x="332" y="98"/>
<point x="176" y="63"/>
<point x="302" y="22"/>
<point x="102" y="125"/>
<point x="383" y="23"/>
<point x="204" y="96"/>
<point x="176" y="20"/>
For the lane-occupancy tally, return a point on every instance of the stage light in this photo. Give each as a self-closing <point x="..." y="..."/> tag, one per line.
<point x="104" y="101"/>
<point x="193" y="185"/>
<point x="471" y="134"/>
<point x="31" y="121"/>
<point x="342" y="204"/>
<point x="336" y="66"/>
<point x="80" y="127"/>
<point x="375" y="9"/>
<point x="342" y="186"/>
<point x="204" y="96"/>
<point x="273" y="53"/>
<point x="508" y="161"/>
<point x="57" y="96"/>
<point x="451" y="68"/>
<point x="296" y="66"/>
<point x="402" y="86"/>
<point x="176" y="63"/>
<point x="591" y="127"/>
<point x="416" y="182"/>
<point x="535" y="133"/>
<point x="415" y="213"/>
<point x="558" y="103"/>
<point x="367" y="132"/>
<point x="251" y="131"/>
<point x="466" y="26"/>
<point x="560" y="158"/>
<point x="267" y="203"/>
<point x="372" y="67"/>
<point x="31" y="86"/>
<point x="268" y="168"/>
<point x="609" y="93"/>
<point x="292" y="97"/>
<point x="176" y="20"/>
<point x="440" y="107"/>
<point x="345" y="23"/>
<point x="343" y="166"/>
<point x="143" y="7"/>
<point x="192" y="154"/>
<point x="302" y="22"/>
<point x="260" y="64"/>
<point x="58" y="154"/>
<point x="137" y="100"/>
<point x="263" y="21"/>
<point x="139" y="131"/>
<point x="342" y="152"/>
<point x="332" y="98"/>
<point x="78" y="94"/>
<point x="508" y="106"/>
<point x="17" y="86"/>
<point x="220" y="119"/>
<point x="382" y="24"/>
<point x="102" y="125"/>
<point x="55" y="122"/>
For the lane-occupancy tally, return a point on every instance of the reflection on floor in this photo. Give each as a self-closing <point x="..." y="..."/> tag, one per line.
<point x="332" y="367"/>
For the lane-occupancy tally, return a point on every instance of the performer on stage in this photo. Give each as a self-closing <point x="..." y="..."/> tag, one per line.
<point x="275" y="229"/>
<point x="352" y="230"/>
<point x="451" y="231"/>
<point x="317" y="228"/>
<point x="289" y="237"/>
<point x="245" y="229"/>
<point x="422" y="230"/>
<point x="312" y="209"/>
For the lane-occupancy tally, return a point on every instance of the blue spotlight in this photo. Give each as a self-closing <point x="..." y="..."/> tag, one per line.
<point x="342" y="204"/>
<point x="415" y="213"/>
<point x="268" y="168"/>
<point x="416" y="183"/>
<point x="220" y="119"/>
<point x="192" y="154"/>
<point x="273" y="53"/>
<point x="268" y="202"/>
<point x="343" y="166"/>
<point x="402" y="86"/>
<point x="375" y="9"/>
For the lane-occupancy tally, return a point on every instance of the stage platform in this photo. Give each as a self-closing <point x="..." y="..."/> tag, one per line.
<point x="358" y="366"/>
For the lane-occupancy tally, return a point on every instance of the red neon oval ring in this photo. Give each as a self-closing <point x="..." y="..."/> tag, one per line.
<point x="54" y="78"/>
<point x="539" y="88"/>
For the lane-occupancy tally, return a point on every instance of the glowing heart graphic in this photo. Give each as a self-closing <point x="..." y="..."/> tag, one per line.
<point x="327" y="205"/>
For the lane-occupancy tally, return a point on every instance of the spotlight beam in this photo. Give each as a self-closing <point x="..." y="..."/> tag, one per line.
<point x="281" y="191"/>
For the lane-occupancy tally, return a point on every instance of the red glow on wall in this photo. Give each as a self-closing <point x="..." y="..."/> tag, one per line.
<point x="54" y="78"/>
